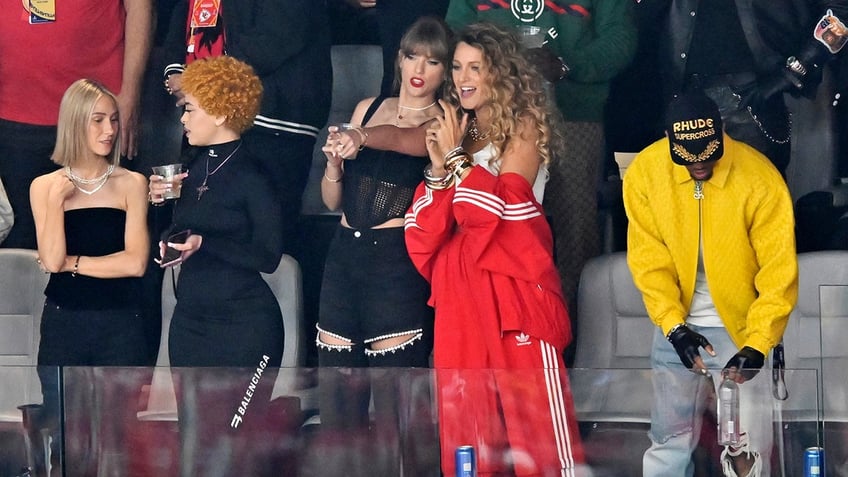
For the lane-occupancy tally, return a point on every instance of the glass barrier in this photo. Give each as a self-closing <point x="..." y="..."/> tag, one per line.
<point x="377" y="422"/>
<point x="833" y="300"/>
<point x="28" y="424"/>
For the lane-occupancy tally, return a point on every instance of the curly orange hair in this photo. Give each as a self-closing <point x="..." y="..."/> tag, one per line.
<point x="225" y="86"/>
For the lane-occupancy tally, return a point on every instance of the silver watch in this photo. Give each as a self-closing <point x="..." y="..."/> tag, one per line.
<point x="795" y="66"/>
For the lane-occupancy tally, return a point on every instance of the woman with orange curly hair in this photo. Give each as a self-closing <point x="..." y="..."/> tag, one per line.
<point x="226" y="315"/>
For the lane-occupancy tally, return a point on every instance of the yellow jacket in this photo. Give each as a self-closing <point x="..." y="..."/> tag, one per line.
<point x="749" y="241"/>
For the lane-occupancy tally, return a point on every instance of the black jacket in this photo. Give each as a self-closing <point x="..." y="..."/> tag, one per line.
<point x="774" y="30"/>
<point x="287" y="42"/>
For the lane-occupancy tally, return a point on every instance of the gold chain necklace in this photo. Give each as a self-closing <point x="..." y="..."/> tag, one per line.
<point x="474" y="131"/>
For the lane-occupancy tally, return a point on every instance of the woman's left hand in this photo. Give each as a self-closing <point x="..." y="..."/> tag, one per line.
<point x="187" y="249"/>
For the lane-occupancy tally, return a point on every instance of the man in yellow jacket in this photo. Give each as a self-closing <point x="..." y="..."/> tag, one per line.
<point x="711" y="247"/>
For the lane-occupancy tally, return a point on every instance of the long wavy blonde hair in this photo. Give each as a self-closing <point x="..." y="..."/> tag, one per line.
<point x="517" y="91"/>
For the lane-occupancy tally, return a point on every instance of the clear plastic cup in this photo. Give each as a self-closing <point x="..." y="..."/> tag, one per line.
<point x="168" y="172"/>
<point x="531" y="36"/>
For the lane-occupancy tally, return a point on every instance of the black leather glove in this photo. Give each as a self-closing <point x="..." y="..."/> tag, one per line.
<point x="766" y="88"/>
<point x="746" y="362"/>
<point x="686" y="342"/>
<point x="552" y="67"/>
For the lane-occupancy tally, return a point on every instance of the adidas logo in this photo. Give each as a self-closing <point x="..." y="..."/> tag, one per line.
<point x="522" y="340"/>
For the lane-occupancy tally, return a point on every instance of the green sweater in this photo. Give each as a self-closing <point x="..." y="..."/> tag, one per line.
<point x="595" y="38"/>
<point x="748" y="241"/>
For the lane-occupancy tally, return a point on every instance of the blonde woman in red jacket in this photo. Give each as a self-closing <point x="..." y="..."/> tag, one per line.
<point x="477" y="232"/>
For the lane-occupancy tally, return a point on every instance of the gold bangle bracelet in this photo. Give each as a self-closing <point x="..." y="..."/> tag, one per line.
<point x="456" y="160"/>
<point x="460" y="167"/>
<point x="436" y="183"/>
<point x="439" y="185"/>
<point x="334" y="181"/>
<point x="363" y="135"/>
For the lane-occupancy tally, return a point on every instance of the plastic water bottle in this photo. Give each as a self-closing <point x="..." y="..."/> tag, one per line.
<point x="728" y="412"/>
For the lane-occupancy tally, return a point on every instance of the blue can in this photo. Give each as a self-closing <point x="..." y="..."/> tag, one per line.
<point x="814" y="462"/>
<point x="466" y="462"/>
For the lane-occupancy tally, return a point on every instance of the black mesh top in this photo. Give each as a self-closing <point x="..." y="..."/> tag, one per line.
<point x="93" y="232"/>
<point x="379" y="185"/>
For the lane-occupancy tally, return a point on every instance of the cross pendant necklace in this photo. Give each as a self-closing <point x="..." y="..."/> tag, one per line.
<point x="203" y="187"/>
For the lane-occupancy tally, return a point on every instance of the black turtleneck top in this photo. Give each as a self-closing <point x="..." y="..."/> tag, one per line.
<point x="238" y="216"/>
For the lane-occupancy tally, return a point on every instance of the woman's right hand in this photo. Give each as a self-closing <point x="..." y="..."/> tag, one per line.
<point x="61" y="188"/>
<point x="157" y="187"/>
<point x="331" y="147"/>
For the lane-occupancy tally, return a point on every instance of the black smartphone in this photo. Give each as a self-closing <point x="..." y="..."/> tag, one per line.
<point x="173" y="256"/>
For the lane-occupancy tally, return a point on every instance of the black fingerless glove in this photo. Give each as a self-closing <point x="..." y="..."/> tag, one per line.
<point x="747" y="361"/>
<point x="686" y="342"/>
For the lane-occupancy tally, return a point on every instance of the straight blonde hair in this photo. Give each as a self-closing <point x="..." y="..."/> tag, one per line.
<point x="74" y="114"/>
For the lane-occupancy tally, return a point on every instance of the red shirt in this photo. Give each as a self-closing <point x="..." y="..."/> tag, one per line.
<point x="38" y="62"/>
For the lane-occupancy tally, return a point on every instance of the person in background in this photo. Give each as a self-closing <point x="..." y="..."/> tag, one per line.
<point x="745" y="55"/>
<point x="287" y="42"/>
<point x="578" y="48"/>
<point x="711" y="247"/>
<point x="42" y="54"/>
<point x="91" y="225"/>
<point x="384" y="321"/>
<point x="477" y="232"/>
<point x="226" y="315"/>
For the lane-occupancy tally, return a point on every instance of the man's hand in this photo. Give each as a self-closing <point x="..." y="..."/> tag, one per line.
<point x="744" y="365"/>
<point x="772" y="85"/>
<point x="686" y="342"/>
<point x="128" y="109"/>
<point x="547" y="63"/>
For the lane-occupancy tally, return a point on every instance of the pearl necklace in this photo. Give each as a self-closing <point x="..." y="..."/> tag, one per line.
<point x="100" y="181"/>
<point x="203" y="187"/>
<point x="411" y="108"/>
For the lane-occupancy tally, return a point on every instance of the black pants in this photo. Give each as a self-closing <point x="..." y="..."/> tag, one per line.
<point x="113" y="337"/>
<point x="224" y="368"/>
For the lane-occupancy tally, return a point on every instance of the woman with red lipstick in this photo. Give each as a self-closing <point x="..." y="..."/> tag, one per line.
<point x="477" y="232"/>
<point x="373" y="309"/>
<point x="91" y="227"/>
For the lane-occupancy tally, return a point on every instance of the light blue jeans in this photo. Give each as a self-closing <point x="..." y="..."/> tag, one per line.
<point x="681" y="397"/>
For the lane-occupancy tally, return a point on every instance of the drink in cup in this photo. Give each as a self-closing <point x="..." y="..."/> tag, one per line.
<point x="531" y="36"/>
<point x="168" y="172"/>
